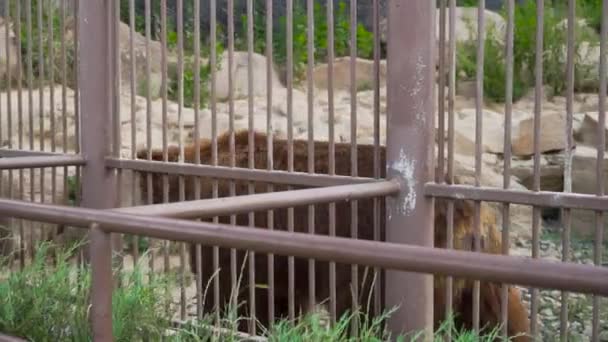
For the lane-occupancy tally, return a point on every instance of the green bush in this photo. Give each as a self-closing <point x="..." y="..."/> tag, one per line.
<point x="51" y="303"/>
<point x="524" y="54"/>
<point x="49" y="44"/>
<point x="365" y="39"/>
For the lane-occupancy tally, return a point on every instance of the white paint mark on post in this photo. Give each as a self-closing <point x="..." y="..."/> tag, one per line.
<point x="405" y="168"/>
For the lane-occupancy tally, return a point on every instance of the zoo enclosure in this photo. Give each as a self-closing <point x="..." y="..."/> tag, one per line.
<point x="410" y="183"/>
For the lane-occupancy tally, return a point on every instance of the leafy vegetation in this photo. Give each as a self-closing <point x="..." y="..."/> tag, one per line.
<point x="524" y="54"/>
<point x="45" y="302"/>
<point x="342" y="36"/>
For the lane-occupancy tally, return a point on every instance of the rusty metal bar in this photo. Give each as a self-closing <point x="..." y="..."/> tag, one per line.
<point x="197" y="154"/>
<point x="19" y="121"/>
<point x="548" y="199"/>
<point x="251" y="157"/>
<point x="601" y="145"/>
<point x="269" y="144"/>
<point x="233" y="265"/>
<point x="507" y="154"/>
<point x="150" y="190"/>
<point x="566" y="213"/>
<point x="450" y="161"/>
<point x="353" y="156"/>
<point x="236" y="173"/>
<point x="8" y="338"/>
<point x="180" y="123"/>
<point x="410" y="122"/>
<point x="376" y="109"/>
<point x="30" y="100"/>
<point x="264" y="201"/>
<point x="98" y="182"/>
<point x="290" y="157"/>
<point x="132" y="86"/>
<point x="332" y="149"/>
<point x="538" y="98"/>
<point x="40" y="162"/>
<point x="214" y="152"/>
<point x="165" y="94"/>
<point x="517" y="270"/>
<point x="310" y="41"/>
<point x="10" y="153"/>
<point x="101" y="282"/>
<point x="479" y="94"/>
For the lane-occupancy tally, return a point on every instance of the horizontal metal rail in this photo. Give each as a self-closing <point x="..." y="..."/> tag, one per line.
<point x="7" y="338"/>
<point x="523" y="271"/>
<point x="257" y="202"/>
<point x="533" y="198"/>
<point x="40" y="161"/>
<point x="236" y="173"/>
<point x="9" y="153"/>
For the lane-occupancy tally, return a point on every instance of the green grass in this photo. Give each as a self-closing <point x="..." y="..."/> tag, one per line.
<point x="52" y="303"/>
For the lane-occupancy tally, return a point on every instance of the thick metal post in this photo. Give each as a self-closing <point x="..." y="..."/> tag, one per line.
<point x="95" y="79"/>
<point x="95" y="75"/>
<point x="101" y="284"/>
<point x="410" y="86"/>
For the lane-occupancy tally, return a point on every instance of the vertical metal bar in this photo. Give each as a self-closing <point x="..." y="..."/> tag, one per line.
<point x="566" y="212"/>
<point x="478" y="146"/>
<point x="233" y="265"/>
<point x="41" y="78"/>
<point x="9" y="109"/>
<point x="439" y="177"/>
<point x="290" y="218"/>
<point x="117" y="241"/>
<point x="601" y="145"/>
<point x="354" y="231"/>
<point x="101" y="281"/>
<point x="98" y="183"/>
<point x="197" y="148"/>
<point x="77" y="120"/>
<point x="311" y="146"/>
<point x="165" y="87"/>
<point x="450" y="162"/>
<point x="214" y="161"/>
<point x="163" y="41"/>
<point x="507" y="155"/>
<point x="64" y="102"/>
<point x="270" y="165"/>
<point x="53" y="123"/>
<point x="30" y="107"/>
<point x="332" y="149"/>
<point x="251" y="159"/>
<point x="538" y="72"/>
<point x="148" y="10"/>
<point x="181" y="159"/>
<point x="135" y="238"/>
<point x="20" y="124"/>
<point x="376" y="108"/>
<point x="410" y="126"/>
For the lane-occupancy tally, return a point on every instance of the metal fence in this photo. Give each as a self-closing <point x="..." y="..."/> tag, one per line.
<point x="325" y="218"/>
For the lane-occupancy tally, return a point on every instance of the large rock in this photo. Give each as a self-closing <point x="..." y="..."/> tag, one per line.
<point x="465" y="25"/>
<point x="520" y="216"/>
<point x="584" y="181"/>
<point x="587" y="132"/>
<point x="240" y="75"/>
<point x="10" y="55"/>
<point x="139" y="52"/>
<point x="551" y="171"/>
<point x="364" y="70"/>
<point x="552" y="130"/>
<point x="464" y="131"/>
